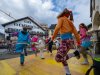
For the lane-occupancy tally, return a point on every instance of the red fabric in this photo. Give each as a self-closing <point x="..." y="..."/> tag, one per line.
<point x="78" y="43"/>
<point x="35" y="39"/>
<point x="34" y="47"/>
<point x="46" y="40"/>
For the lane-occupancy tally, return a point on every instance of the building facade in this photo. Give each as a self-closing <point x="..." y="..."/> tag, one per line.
<point x="17" y="25"/>
<point x="46" y="28"/>
<point x="51" y="30"/>
<point x="2" y="33"/>
<point x="95" y="14"/>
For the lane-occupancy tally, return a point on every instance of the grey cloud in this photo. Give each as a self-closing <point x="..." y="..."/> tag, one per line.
<point x="44" y="15"/>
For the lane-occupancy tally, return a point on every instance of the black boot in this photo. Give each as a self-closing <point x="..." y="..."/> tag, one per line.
<point x="77" y="54"/>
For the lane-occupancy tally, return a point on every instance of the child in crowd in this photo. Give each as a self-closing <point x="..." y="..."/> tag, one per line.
<point x="41" y="47"/>
<point x="50" y="43"/>
<point x="22" y="41"/>
<point x="34" y="44"/>
<point x="85" y="42"/>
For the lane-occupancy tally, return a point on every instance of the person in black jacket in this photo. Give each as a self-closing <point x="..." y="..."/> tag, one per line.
<point x="50" y="43"/>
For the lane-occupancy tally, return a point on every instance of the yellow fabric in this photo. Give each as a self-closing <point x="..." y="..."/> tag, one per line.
<point x="64" y="25"/>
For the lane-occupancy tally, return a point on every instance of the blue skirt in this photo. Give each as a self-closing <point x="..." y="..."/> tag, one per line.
<point x="86" y="43"/>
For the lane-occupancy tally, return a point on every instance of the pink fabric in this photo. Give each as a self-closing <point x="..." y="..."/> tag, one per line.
<point x="34" y="48"/>
<point x="15" y="34"/>
<point x="35" y="39"/>
<point x="83" y="33"/>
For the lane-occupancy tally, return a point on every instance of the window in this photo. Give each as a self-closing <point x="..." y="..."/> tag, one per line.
<point x="14" y="24"/>
<point x="30" y="22"/>
<point x="22" y="25"/>
<point x="26" y="21"/>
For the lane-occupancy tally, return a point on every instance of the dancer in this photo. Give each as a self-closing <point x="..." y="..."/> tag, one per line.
<point x="34" y="44"/>
<point x="50" y="43"/>
<point x="85" y="42"/>
<point x="23" y="40"/>
<point x="41" y="47"/>
<point x="66" y="29"/>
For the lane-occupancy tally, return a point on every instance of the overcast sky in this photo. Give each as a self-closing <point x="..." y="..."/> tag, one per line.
<point x="45" y="11"/>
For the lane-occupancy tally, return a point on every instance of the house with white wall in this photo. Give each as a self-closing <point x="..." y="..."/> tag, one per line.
<point x="95" y="14"/>
<point x="2" y="32"/>
<point x="17" y="25"/>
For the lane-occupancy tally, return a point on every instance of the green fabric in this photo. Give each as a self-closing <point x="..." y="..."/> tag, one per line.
<point x="97" y="58"/>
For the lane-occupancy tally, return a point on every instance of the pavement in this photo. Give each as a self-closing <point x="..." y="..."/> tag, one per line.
<point x="37" y="66"/>
<point x="4" y="54"/>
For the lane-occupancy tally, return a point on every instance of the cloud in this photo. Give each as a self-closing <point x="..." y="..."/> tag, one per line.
<point x="3" y="19"/>
<point x="83" y="10"/>
<point x="45" y="11"/>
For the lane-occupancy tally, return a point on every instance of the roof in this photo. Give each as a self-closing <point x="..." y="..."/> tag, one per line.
<point x="5" y="24"/>
<point x="52" y="26"/>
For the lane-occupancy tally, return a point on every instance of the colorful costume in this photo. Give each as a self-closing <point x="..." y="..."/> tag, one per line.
<point x="85" y="39"/>
<point x="34" y="42"/>
<point x="66" y="28"/>
<point x="23" y="40"/>
<point x="41" y="47"/>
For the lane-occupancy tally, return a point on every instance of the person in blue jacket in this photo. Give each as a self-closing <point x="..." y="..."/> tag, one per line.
<point x="22" y="41"/>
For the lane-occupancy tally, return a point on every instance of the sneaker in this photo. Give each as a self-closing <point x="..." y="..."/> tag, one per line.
<point x="77" y="54"/>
